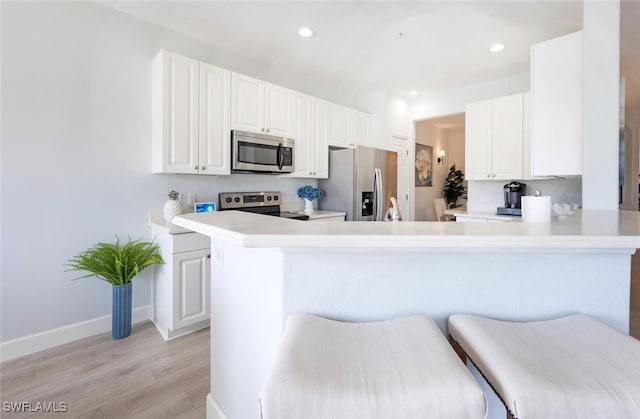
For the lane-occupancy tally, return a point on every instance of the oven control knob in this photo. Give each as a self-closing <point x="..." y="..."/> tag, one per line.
<point x="236" y="199"/>
<point x="275" y="198"/>
<point x="268" y="197"/>
<point x="228" y="200"/>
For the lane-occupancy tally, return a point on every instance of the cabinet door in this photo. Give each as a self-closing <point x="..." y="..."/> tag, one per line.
<point x="303" y="138"/>
<point x="478" y="133"/>
<point x="191" y="282"/>
<point x="526" y="136"/>
<point x="175" y="119"/>
<point x="556" y="100"/>
<point x="247" y="103"/>
<point x="215" y="143"/>
<point x="279" y="111"/>
<point x="506" y="162"/>
<point x="338" y="124"/>
<point x="359" y="126"/>
<point x="318" y="134"/>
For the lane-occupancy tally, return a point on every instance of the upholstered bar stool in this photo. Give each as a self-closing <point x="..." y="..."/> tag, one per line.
<point x="570" y="367"/>
<point x="401" y="368"/>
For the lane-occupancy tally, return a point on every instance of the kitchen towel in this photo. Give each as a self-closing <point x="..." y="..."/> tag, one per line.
<point x="536" y="209"/>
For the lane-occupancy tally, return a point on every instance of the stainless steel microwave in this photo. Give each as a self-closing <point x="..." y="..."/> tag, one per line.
<point x="261" y="153"/>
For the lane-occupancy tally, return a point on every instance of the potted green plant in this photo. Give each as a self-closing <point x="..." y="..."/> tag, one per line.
<point x="454" y="187"/>
<point x="118" y="265"/>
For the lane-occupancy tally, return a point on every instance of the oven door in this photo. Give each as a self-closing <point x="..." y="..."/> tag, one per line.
<point x="261" y="153"/>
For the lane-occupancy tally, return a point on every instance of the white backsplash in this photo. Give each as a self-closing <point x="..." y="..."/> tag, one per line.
<point x="486" y="195"/>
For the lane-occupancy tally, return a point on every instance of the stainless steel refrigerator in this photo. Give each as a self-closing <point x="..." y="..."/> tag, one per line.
<point x="361" y="182"/>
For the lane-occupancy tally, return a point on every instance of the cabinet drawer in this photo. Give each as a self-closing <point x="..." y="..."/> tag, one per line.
<point x="189" y="241"/>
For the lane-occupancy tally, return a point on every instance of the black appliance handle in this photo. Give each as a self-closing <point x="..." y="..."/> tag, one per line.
<point x="280" y="156"/>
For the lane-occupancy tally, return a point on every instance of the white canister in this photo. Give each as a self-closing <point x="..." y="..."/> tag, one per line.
<point x="536" y="209"/>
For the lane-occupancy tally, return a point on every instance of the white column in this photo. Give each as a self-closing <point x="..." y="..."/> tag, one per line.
<point x="601" y="26"/>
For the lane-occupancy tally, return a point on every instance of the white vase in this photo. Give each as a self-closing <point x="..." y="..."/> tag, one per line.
<point x="308" y="206"/>
<point x="171" y="208"/>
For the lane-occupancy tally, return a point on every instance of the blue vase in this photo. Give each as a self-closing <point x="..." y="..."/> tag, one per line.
<point x="121" y="311"/>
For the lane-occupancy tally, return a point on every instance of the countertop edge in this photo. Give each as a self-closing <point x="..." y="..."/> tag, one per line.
<point x="291" y="234"/>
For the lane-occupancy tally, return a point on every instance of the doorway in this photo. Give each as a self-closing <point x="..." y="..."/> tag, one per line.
<point x="444" y="135"/>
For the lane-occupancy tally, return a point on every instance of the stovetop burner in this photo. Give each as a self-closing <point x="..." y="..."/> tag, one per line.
<point x="267" y="203"/>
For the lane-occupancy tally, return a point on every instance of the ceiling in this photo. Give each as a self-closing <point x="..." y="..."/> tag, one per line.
<point x="363" y="46"/>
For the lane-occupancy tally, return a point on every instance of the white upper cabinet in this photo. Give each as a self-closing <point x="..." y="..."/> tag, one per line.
<point x="214" y="153"/>
<point x="261" y="107"/>
<point x="338" y="126"/>
<point x="493" y="139"/>
<point x="348" y="127"/>
<point x="312" y="151"/>
<point x="360" y="123"/>
<point x="190" y="123"/>
<point x="478" y="134"/>
<point x="556" y="106"/>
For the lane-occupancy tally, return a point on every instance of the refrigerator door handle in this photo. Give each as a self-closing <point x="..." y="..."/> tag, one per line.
<point x="377" y="195"/>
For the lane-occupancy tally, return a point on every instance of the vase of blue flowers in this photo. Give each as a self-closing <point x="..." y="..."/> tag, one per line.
<point x="309" y="194"/>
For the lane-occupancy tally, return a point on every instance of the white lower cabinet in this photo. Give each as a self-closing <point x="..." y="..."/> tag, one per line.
<point x="181" y="286"/>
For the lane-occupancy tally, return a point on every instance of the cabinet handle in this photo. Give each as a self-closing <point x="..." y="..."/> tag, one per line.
<point x="488" y="175"/>
<point x="493" y="175"/>
<point x="209" y="256"/>
<point x="196" y="167"/>
<point x="262" y="129"/>
<point x="267" y="129"/>
<point x="202" y="168"/>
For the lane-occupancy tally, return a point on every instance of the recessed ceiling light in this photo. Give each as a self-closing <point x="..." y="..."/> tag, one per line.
<point x="496" y="48"/>
<point x="306" y="32"/>
<point x="413" y="92"/>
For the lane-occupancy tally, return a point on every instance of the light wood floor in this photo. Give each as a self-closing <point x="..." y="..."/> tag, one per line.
<point x="141" y="376"/>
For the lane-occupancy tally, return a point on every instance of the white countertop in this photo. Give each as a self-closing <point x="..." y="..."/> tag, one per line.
<point x="157" y="221"/>
<point x="582" y="230"/>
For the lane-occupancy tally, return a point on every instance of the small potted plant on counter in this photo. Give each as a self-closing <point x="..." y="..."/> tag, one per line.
<point x="454" y="187"/>
<point x="118" y="265"/>
<point x="309" y="194"/>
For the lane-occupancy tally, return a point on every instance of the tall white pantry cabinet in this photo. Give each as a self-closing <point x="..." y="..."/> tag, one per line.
<point x="556" y="106"/>
<point x="191" y="116"/>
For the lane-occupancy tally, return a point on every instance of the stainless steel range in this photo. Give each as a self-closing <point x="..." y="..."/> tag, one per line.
<point x="267" y="203"/>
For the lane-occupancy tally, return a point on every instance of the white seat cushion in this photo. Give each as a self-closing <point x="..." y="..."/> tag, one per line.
<point x="402" y="368"/>
<point x="571" y="367"/>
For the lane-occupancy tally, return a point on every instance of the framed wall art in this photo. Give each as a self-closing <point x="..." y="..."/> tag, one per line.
<point x="424" y="165"/>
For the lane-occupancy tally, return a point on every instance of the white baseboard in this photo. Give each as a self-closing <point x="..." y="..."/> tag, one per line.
<point x="172" y="334"/>
<point x="44" y="340"/>
<point x="213" y="409"/>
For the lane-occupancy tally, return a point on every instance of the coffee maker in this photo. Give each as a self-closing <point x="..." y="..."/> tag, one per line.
<point x="513" y="193"/>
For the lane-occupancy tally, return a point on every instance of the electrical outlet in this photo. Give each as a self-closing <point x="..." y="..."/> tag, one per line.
<point x="216" y="255"/>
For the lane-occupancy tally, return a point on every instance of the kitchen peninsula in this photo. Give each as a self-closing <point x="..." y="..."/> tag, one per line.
<point x="265" y="268"/>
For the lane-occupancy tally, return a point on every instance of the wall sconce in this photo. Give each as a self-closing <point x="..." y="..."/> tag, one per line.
<point x="441" y="157"/>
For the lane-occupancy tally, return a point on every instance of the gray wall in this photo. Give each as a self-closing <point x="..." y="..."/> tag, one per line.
<point x="76" y="150"/>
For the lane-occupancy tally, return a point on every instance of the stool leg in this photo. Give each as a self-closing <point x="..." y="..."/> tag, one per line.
<point x="509" y="415"/>
<point x="456" y="347"/>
